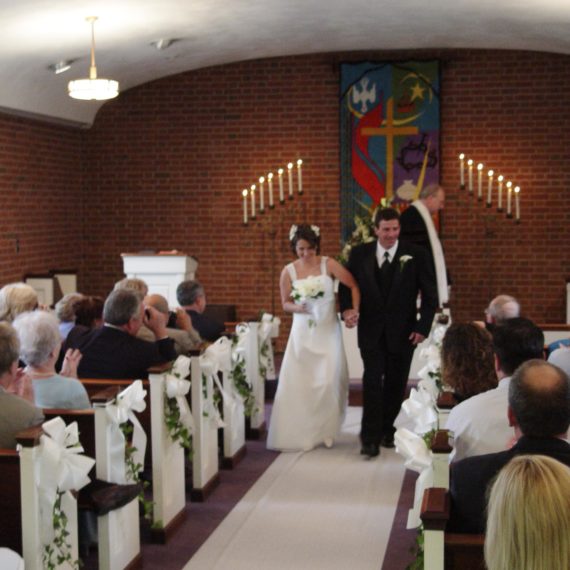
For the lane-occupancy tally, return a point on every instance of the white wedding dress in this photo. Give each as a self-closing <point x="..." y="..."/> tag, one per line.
<point x="312" y="392"/>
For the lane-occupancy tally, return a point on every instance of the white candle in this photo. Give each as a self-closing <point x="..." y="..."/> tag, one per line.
<point x="470" y="165"/>
<point x="299" y="176"/>
<point x="244" y="194"/>
<point x="509" y="195"/>
<point x="261" y="197"/>
<point x="462" y="170"/>
<point x="290" y="178"/>
<point x="517" y="203"/>
<point x="500" y="194"/>
<point x="252" y="194"/>
<point x="280" y="174"/>
<point x="490" y="187"/>
<point x="480" y="181"/>
<point x="270" y="185"/>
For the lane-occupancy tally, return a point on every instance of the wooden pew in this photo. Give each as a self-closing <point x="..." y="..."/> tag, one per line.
<point x="442" y="550"/>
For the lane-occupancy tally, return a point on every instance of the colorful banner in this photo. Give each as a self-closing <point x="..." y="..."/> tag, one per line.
<point x="389" y="134"/>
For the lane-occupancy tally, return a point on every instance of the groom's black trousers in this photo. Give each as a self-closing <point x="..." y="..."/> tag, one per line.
<point x="384" y="385"/>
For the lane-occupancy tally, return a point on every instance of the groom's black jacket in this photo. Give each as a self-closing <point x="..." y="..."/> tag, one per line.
<point x="393" y="317"/>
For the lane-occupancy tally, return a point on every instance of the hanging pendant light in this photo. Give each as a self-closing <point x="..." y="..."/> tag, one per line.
<point x="94" y="88"/>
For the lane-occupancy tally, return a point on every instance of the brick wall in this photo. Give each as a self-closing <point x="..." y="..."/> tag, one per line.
<point x="165" y="163"/>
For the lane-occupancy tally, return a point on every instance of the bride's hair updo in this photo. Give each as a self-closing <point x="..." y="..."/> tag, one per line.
<point x="311" y="234"/>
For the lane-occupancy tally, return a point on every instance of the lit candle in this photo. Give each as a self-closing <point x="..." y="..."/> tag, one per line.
<point x="517" y="204"/>
<point x="252" y="194"/>
<point x="470" y="165"/>
<point x="462" y="170"/>
<point x="509" y="197"/>
<point x="244" y="194"/>
<point x="500" y="194"/>
<point x="261" y="197"/>
<point x="480" y="181"/>
<point x="490" y="188"/>
<point x="270" y="184"/>
<point x="290" y="178"/>
<point x="281" y="197"/>
<point x="299" y="176"/>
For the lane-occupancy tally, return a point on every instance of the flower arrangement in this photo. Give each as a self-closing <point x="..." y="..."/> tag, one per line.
<point x="308" y="289"/>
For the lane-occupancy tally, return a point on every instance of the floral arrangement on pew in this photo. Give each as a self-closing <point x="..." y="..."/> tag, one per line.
<point x="177" y="415"/>
<point x="61" y="469"/>
<point x="238" y="372"/>
<point x="268" y="328"/>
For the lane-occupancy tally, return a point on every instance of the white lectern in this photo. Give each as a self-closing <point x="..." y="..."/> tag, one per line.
<point x="161" y="272"/>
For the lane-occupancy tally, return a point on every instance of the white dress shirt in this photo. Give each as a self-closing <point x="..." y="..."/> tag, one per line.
<point x="480" y="424"/>
<point x="380" y="253"/>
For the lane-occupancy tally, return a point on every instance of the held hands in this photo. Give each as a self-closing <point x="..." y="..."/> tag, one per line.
<point x="350" y="317"/>
<point x="155" y="321"/>
<point x="183" y="320"/>
<point x="71" y="362"/>
<point x="416" y="338"/>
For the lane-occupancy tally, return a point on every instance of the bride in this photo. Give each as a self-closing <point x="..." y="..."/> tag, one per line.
<point x="312" y="391"/>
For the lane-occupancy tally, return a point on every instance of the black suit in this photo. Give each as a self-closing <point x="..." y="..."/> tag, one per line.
<point x="471" y="477"/>
<point x="112" y="353"/>
<point x="209" y="329"/>
<point x="388" y="315"/>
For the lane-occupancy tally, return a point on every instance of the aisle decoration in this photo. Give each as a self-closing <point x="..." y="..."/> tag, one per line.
<point x="238" y="371"/>
<point x="268" y="328"/>
<point x="60" y="469"/>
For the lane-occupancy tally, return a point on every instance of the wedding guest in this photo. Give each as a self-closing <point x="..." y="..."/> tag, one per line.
<point x="16" y="413"/>
<point x="185" y="337"/>
<point x="479" y="424"/>
<point x="134" y="284"/>
<point x="113" y="351"/>
<point x="467" y="361"/>
<point x="65" y="312"/>
<point x="539" y="412"/>
<point x="528" y="525"/>
<point x="40" y="345"/>
<point x="89" y="311"/>
<point x="192" y="298"/>
<point x="500" y="309"/>
<point x="561" y="358"/>
<point x="16" y="298"/>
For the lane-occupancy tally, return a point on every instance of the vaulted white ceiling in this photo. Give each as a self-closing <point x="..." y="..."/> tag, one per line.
<point x="37" y="33"/>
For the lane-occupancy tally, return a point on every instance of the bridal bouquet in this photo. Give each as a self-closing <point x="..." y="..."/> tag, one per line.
<point x="308" y="289"/>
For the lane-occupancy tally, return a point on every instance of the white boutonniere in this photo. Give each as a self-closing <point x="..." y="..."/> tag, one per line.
<point x="403" y="260"/>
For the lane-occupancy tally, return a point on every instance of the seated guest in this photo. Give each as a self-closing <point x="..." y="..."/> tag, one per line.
<point x="16" y="413"/>
<point x="539" y="412"/>
<point x="479" y="424"/>
<point x="89" y="311"/>
<point x="184" y="336"/>
<point x="500" y="309"/>
<point x="528" y="526"/>
<point x="467" y="362"/>
<point x="40" y="345"/>
<point x="192" y="299"/>
<point x="134" y="284"/>
<point x="113" y="351"/>
<point x="16" y="298"/>
<point x="65" y="312"/>
<point x="561" y="358"/>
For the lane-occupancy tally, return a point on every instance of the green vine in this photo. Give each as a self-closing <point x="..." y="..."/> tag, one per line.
<point x="59" y="551"/>
<point x="263" y="355"/>
<point x="134" y="469"/>
<point x="428" y="437"/>
<point x="243" y="387"/>
<point x="216" y="396"/>
<point x="418" y="551"/>
<point x="177" y="431"/>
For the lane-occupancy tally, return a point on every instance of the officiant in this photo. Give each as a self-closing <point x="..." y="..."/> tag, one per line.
<point x="417" y="227"/>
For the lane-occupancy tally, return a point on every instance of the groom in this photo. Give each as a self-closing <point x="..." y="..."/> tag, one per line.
<point x="390" y="274"/>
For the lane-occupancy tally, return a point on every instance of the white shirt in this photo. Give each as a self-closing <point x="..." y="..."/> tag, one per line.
<point x="480" y="424"/>
<point x="380" y="253"/>
<point x="561" y="358"/>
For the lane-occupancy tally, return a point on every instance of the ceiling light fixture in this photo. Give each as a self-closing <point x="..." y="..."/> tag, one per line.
<point x="94" y="88"/>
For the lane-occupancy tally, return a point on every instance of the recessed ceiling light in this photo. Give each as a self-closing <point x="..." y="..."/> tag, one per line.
<point x="60" y="66"/>
<point x="163" y="43"/>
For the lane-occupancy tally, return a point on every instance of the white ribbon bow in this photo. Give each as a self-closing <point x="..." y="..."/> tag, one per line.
<point x="176" y="386"/>
<point x="417" y="412"/>
<point x="60" y="467"/>
<point x="129" y="401"/>
<point x="216" y="358"/>
<point x="418" y="458"/>
<point x="267" y="328"/>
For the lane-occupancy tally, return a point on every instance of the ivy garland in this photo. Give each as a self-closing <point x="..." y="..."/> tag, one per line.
<point x="177" y="431"/>
<point x="216" y="397"/>
<point x="418" y="551"/>
<point x="59" y="551"/>
<point x="134" y="470"/>
<point x="243" y="387"/>
<point x="263" y="353"/>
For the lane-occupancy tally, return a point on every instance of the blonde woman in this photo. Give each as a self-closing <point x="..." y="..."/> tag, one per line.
<point x="528" y="522"/>
<point x="16" y="298"/>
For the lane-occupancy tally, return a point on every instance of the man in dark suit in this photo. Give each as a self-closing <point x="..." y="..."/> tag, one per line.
<point x="418" y="228"/>
<point x="113" y="351"/>
<point x="192" y="298"/>
<point x="390" y="275"/>
<point x="539" y="411"/>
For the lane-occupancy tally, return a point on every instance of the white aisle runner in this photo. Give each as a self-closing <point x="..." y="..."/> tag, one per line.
<point x="327" y="508"/>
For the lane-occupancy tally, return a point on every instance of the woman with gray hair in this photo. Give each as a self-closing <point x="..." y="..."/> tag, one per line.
<point x="16" y="298"/>
<point x="65" y="312"/>
<point x="40" y="344"/>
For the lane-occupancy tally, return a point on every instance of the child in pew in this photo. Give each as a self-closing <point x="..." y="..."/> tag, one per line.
<point x="40" y="345"/>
